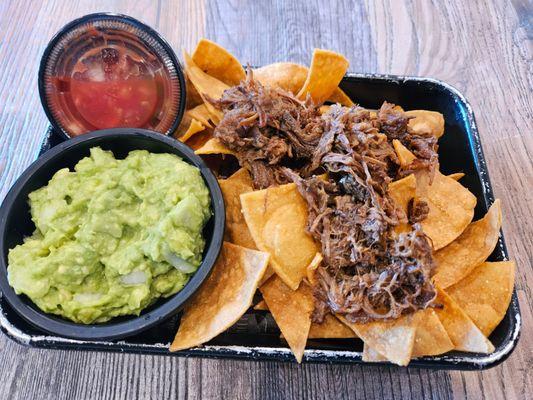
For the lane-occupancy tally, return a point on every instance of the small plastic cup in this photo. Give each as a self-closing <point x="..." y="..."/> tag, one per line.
<point x="108" y="71"/>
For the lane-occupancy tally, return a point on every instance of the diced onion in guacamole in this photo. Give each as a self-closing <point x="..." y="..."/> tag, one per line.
<point x="112" y="236"/>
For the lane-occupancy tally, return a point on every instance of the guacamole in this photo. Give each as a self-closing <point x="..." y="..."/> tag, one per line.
<point x="112" y="236"/>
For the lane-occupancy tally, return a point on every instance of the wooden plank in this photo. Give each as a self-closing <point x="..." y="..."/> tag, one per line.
<point x="482" y="48"/>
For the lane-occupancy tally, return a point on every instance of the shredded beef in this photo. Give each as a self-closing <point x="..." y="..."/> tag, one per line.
<point x="267" y="127"/>
<point x="369" y="272"/>
<point x="418" y="210"/>
<point x="394" y="123"/>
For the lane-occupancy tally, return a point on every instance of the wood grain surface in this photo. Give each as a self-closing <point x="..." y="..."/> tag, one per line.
<point x="483" y="48"/>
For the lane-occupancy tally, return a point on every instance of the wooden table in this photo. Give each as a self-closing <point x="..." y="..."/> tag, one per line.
<point x="483" y="49"/>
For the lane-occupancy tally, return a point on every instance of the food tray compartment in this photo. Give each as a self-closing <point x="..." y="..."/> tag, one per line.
<point x="255" y="336"/>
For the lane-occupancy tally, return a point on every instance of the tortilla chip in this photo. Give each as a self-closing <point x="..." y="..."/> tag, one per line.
<point x="457" y="176"/>
<point x="404" y="154"/>
<point x="291" y="77"/>
<point x="216" y="61"/>
<point x="277" y="218"/>
<point x="451" y="207"/>
<point x="206" y="85"/>
<point x="431" y="337"/>
<point x="261" y="306"/>
<point x="331" y="328"/>
<point x="476" y="243"/>
<point x="426" y="123"/>
<point x="194" y="128"/>
<point x="324" y="109"/>
<point x="371" y="355"/>
<point x="311" y="268"/>
<point x="464" y="334"/>
<point x="285" y="75"/>
<point x="402" y="192"/>
<point x="268" y="274"/>
<point x="485" y="294"/>
<point x="199" y="113"/>
<point x="291" y="310"/>
<point x="223" y="298"/>
<point x="338" y="96"/>
<point x="232" y="188"/>
<point x="193" y="98"/>
<point x="394" y="339"/>
<point x="198" y="140"/>
<point x="213" y="146"/>
<point x="326" y="72"/>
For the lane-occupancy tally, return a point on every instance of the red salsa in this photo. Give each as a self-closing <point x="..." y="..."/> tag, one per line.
<point x="110" y="78"/>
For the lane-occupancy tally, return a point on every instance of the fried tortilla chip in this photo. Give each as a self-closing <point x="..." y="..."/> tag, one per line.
<point x="194" y="128"/>
<point x="193" y="97"/>
<point x="426" y="123"/>
<point x="464" y="334"/>
<point x="268" y="274"/>
<point x="451" y="207"/>
<point x="404" y="155"/>
<point x="485" y="294"/>
<point x="457" y="176"/>
<point x="285" y="75"/>
<point x="213" y="146"/>
<point x="199" y="113"/>
<point x="431" y="336"/>
<point x="324" y="109"/>
<point x="371" y="355"/>
<point x="223" y="298"/>
<point x="198" y="140"/>
<point x="476" y="243"/>
<point x="216" y="61"/>
<point x="311" y="268"/>
<point x="206" y="85"/>
<point x="291" y="77"/>
<point x="277" y="218"/>
<point x="338" y="96"/>
<point x="393" y="339"/>
<point x="291" y="310"/>
<point x="261" y="306"/>
<point x="331" y="328"/>
<point x="446" y="219"/>
<point x="327" y="70"/>
<point x="232" y="188"/>
<point x="402" y="192"/>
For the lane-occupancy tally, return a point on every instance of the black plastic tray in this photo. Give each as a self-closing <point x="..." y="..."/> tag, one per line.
<point x="256" y="336"/>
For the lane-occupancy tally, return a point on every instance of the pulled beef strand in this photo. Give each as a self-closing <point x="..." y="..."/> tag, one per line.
<point x="369" y="272"/>
<point x="394" y="123"/>
<point x="267" y="128"/>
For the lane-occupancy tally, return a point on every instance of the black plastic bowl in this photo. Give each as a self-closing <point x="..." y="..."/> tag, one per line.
<point x="16" y="223"/>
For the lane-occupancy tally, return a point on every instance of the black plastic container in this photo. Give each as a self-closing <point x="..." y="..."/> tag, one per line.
<point x="256" y="336"/>
<point x="15" y="224"/>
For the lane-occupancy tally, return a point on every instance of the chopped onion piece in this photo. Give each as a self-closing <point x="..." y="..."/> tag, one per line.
<point x="136" y="277"/>
<point x="179" y="263"/>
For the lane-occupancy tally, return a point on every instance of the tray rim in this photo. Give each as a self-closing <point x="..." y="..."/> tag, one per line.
<point x="452" y="361"/>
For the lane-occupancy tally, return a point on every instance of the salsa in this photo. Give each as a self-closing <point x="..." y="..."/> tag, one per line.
<point x="115" y="103"/>
<point x="109" y="87"/>
<point x="102" y="75"/>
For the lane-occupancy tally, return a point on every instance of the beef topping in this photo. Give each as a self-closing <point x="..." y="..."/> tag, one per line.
<point x="369" y="272"/>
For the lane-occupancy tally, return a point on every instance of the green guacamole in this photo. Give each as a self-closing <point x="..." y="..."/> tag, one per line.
<point x="112" y="236"/>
